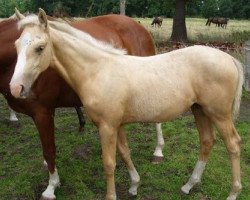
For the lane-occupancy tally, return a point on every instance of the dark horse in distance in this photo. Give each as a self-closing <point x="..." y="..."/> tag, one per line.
<point x="219" y="21"/>
<point x="157" y="21"/>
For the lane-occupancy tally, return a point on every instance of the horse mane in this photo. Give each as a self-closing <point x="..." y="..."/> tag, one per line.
<point x="73" y="32"/>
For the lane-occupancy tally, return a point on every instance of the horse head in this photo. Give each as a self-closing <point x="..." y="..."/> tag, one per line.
<point x="34" y="52"/>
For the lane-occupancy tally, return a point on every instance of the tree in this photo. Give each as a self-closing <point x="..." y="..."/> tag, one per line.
<point x="225" y="8"/>
<point x="179" y="30"/>
<point x="122" y="7"/>
<point x="210" y="8"/>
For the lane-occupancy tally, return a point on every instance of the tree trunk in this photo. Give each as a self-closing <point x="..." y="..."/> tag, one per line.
<point x="122" y="7"/>
<point x="179" y="31"/>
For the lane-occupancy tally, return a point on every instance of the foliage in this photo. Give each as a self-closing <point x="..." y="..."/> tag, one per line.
<point x="139" y="8"/>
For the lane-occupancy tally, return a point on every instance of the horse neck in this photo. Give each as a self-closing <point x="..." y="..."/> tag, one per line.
<point x="75" y="60"/>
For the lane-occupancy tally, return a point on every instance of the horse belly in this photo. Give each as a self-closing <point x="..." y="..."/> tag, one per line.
<point x="162" y="105"/>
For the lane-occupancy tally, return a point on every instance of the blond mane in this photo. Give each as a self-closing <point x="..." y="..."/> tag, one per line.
<point x="73" y="32"/>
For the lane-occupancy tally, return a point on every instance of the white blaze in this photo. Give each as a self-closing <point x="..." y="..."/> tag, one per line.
<point x="21" y="59"/>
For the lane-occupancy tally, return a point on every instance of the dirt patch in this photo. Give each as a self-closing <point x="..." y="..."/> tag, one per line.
<point x="83" y="152"/>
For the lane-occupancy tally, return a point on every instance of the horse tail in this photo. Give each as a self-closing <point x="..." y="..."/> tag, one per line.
<point x="238" y="93"/>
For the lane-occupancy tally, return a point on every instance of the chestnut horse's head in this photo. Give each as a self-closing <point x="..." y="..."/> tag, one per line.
<point x="34" y="52"/>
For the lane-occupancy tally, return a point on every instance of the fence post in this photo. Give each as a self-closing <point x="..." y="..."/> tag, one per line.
<point x="247" y="66"/>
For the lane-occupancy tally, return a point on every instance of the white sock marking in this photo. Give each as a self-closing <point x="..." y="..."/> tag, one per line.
<point x="13" y="117"/>
<point x="160" y="141"/>
<point x="135" y="179"/>
<point x="53" y="183"/>
<point x="195" y="177"/>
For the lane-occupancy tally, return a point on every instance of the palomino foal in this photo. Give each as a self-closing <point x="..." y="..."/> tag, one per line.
<point x="117" y="89"/>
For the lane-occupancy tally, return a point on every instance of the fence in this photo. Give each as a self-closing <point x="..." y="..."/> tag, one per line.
<point x="247" y="66"/>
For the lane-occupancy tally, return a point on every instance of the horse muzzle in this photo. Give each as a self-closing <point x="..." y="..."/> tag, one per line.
<point x="18" y="91"/>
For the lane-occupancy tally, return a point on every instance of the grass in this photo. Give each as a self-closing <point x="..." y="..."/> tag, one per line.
<point x="237" y="31"/>
<point x="23" y="177"/>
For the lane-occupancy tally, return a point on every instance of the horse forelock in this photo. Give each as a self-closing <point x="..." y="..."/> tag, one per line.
<point x="83" y="36"/>
<point x="29" y="20"/>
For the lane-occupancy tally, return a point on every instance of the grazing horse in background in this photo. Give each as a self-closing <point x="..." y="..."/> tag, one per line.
<point x="117" y="89"/>
<point x="212" y="20"/>
<point x="157" y="21"/>
<point x="50" y="91"/>
<point x="219" y="21"/>
<point x="222" y="22"/>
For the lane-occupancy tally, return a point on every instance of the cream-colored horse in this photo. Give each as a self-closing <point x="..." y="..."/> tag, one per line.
<point x="117" y="89"/>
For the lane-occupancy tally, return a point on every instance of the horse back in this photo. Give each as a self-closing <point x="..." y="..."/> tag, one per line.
<point x="121" y="31"/>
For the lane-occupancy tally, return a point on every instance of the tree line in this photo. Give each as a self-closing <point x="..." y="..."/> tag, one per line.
<point x="239" y="9"/>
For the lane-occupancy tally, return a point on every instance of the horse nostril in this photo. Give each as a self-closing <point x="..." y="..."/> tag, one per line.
<point x="22" y="92"/>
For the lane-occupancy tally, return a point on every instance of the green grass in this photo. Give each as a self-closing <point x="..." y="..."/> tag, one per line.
<point x="23" y="177"/>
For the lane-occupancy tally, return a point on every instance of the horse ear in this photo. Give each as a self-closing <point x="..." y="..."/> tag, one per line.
<point x="43" y="18"/>
<point x="19" y="16"/>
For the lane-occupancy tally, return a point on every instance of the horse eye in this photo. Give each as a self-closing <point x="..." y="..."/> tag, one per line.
<point x="39" y="49"/>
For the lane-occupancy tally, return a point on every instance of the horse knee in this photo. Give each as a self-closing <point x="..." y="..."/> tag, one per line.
<point x="208" y="144"/>
<point x="233" y="148"/>
<point x="109" y="167"/>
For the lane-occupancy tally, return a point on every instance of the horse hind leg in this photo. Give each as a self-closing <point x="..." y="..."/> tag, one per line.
<point x="124" y="151"/>
<point x="158" y="155"/>
<point x="232" y="141"/>
<point x="207" y="140"/>
<point x="80" y="118"/>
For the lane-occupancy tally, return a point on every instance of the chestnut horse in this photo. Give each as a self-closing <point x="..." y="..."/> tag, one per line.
<point x="117" y="89"/>
<point x="116" y="29"/>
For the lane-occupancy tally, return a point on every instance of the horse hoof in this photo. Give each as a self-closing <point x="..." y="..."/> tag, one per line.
<point x="157" y="160"/>
<point x="81" y="129"/>
<point x="132" y="196"/>
<point x="46" y="198"/>
<point x="185" y="189"/>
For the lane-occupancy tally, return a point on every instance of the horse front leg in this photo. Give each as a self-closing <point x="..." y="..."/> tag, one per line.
<point x="108" y="135"/>
<point x="124" y="151"/>
<point x="44" y="121"/>
<point x="158" y="155"/>
<point x="13" y="117"/>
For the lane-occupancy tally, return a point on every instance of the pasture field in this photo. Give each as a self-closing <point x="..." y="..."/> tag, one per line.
<point x="237" y="31"/>
<point x="23" y="177"/>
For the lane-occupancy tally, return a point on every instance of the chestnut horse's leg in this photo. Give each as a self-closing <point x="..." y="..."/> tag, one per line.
<point x="108" y="135"/>
<point x="44" y="120"/>
<point x="80" y="118"/>
<point x="13" y="117"/>
<point x="232" y="141"/>
<point x="124" y="151"/>
<point x="207" y="140"/>
<point x="158" y="155"/>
